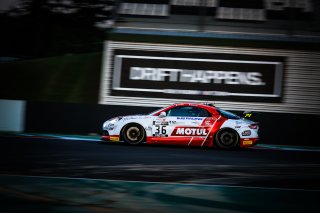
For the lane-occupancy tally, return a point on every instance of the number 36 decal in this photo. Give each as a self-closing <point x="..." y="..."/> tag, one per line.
<point x="160" y="130"/>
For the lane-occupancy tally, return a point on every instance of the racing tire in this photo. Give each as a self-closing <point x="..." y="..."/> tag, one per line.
<point x="133" y="134"/>
<point x="227" y="139"/>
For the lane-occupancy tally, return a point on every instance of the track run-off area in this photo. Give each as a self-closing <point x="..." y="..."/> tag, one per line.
<point x="71" y="173"/>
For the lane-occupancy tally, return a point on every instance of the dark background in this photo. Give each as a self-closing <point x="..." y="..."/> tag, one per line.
<point x="51" y="56"/>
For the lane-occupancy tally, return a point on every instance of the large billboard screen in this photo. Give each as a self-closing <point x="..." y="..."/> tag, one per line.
<point x="197" y="76"/>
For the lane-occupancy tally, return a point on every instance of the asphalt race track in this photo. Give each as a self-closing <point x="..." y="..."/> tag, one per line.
<point x="265" y="177"/>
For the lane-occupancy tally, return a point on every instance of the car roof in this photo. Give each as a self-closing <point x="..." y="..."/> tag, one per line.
<point x="194" y="104"/>
<point x="208" y="106"/>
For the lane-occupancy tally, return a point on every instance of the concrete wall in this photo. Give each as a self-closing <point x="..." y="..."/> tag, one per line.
<point x="67" y="118"/>
<point x="277" y="128"/>
<point x="12" y="115"/>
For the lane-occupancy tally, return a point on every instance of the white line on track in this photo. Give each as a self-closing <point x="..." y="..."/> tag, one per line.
<point x="52" y="136"/>
<point x="287" y="148"/>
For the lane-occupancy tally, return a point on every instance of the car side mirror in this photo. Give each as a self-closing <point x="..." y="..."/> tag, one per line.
<point x="162" y="114"/>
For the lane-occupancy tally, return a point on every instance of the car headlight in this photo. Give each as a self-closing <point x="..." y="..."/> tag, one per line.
<point x="113" y="120"/>
<point x="105" y="124"/>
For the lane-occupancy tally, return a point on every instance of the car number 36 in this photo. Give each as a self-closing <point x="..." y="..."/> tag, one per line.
<point x="160" y="130"/>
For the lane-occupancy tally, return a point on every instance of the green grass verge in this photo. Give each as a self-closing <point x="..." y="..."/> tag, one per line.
<point x="69" y="78"/>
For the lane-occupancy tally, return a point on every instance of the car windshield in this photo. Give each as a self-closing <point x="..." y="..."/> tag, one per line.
<point x="227" y="114"/>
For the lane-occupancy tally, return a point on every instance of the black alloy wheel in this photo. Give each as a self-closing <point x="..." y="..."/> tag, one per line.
<point x="133" y="134"/>
<point x="227" y="139"/>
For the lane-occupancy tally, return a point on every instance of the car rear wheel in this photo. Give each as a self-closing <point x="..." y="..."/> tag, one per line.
<point x="133" y="134"/>
<point x="227" y="139"/>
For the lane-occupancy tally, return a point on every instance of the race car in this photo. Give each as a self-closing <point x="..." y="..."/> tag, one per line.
<point x="188" y="124"/>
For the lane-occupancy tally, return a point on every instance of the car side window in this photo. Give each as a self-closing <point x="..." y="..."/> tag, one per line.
<point x="204" y="113"/>
<point x="188" y="111"/>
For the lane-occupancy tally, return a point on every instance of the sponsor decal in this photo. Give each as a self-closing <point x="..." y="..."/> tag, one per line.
<point x="114" y="138"/>
<point x="161" y="122"/>
<point x="160" y="135"/>
<point x="156" y="122"/>
<point x="128" y="118"/>
<point x="247" y="142"/>
<point x="135" y="117"/>
<point x="189" y="118"/>
<point x="248" y="115"/>
<point x="110" y="126"/>
<point x="246" y="133"/>
<point x="208" y="121"/>
<point x="190" y="131"/>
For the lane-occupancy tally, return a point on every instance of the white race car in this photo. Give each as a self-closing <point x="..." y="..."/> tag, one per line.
<point x="189" y="124"/>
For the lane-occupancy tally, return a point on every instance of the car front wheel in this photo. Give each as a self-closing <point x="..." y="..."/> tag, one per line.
<point x="133" y="134"/>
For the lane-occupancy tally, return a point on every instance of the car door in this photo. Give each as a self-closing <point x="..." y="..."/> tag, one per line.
<point x="182" y="125"/>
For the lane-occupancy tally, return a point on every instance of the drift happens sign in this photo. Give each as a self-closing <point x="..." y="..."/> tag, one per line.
<point x="197" y="76"/>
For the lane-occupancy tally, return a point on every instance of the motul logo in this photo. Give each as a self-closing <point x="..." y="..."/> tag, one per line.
<point x="185" y="131"/>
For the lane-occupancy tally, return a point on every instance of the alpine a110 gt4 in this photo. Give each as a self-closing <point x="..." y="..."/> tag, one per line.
<point x="188" y="124"/>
